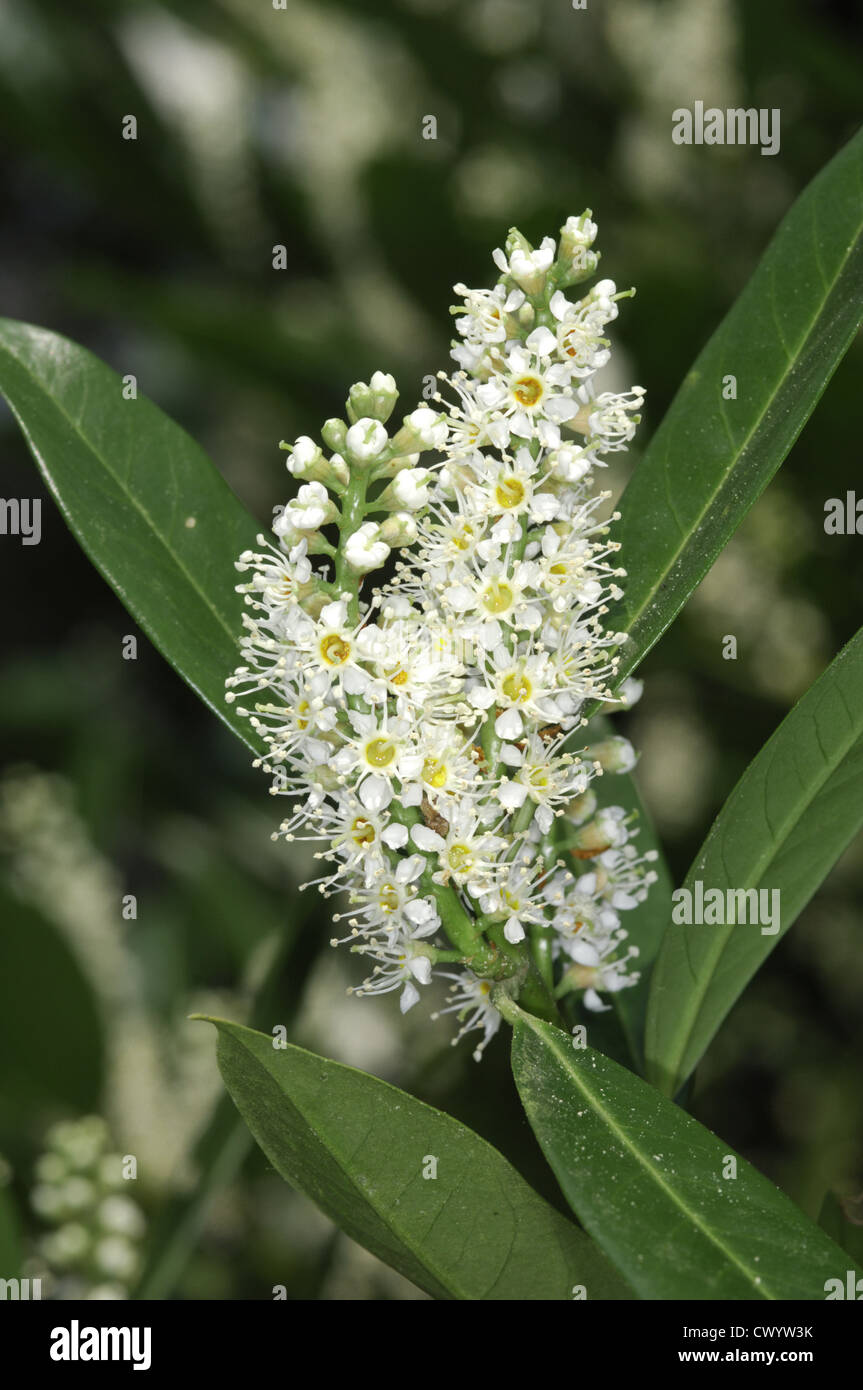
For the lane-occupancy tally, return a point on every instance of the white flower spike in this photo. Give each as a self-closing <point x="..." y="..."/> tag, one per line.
<point x="427" y="726"/>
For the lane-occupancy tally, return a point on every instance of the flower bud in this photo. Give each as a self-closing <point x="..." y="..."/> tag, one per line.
<point x="408" y="491"/>
<point x="422" y="429"/>
<point x="333" y="433"/>
<point x="581" y="808"/>
<point x="365" y="440"/>
<point x="365" y="550"/>
<point x="308" y="511"/>
<point x="578" y="977"/>
<point x="303" y="458"/>
<point x="339" y="472"/>
<point x="577" y="235"/>
<point x="399" y="529"/>
<point x="307" y="461"/>
<point x="375" y="400"/>
<point x="613" y="754"/>
<point x="606" y="831"/>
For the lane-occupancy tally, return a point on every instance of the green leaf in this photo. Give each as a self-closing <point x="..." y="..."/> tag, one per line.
<point x="711" y="458"/>
<point x="357" y="1146"/>
<point x="143" y="499"/>
<point x="794" y="810"/>
<point x="647" y="1181"/>
<point x="46" y="1000"/>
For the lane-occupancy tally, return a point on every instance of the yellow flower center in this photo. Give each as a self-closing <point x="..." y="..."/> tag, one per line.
<point x="388" y="898"/>
<point x="528" y="390"/>
<point x="380" y="752"/>
<point x="460" y="859"/>
<point x="334" y="650"/>
<point x="362" y="832"/>
<point x="516" y="687"/>
<point x="497" y="597"/>
<point x="462" y="540"/>
<point x="397" y="677"/>
<point x="434" y="773"/>
<point x="509" y="492"/>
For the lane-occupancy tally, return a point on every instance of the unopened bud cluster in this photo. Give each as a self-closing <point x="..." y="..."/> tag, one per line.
<point x="426" y="727"/>
<point x="93" y="1250"/>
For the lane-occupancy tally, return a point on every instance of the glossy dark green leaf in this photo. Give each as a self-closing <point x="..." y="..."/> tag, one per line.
<point x="655" y="1188"/>
<point x="145" y="502"/>
<point x="358" y="1147"/>
<point x="51" y="1035"/>
<point x="711" y="457"/>
<point x="794" y="810"/>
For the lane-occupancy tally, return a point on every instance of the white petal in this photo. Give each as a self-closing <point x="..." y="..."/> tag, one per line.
<point x="420" y="968"/>
<point x="511" y="755"/>
<point x="541" y="340"/>
<point x="395" y="836"/>
<point x="511" y="795"/>
<point x="376" y="793"/>
<point x="334" y="614"/>
<point x="427" y="839"/>
<point x="508" y="725"/>
<point x="481" y="697"/>
<point x="410" y="996"/>
<point x="593" y="1002"/>
<point x="410" y="868"/>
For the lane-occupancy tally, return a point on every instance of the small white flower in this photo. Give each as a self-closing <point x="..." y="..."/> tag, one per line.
<point x="527" y="268"/>
<point x="311" y="508"/>
<point x="366" y="439"/>
<point x="410" y="488"/>
<point x="429" y="426"/>
<point x="304" y="455"/>
<point x="365" y="550"/>
<point x="470" y="998"/>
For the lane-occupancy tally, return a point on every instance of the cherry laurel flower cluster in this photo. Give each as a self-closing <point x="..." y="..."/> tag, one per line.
<point x="427" y="729"/>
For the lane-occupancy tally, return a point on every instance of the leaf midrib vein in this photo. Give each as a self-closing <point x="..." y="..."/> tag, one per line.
<point x="735" y="458"/>
<point x="652" y="1172"/>
<point x="753" y="879"/>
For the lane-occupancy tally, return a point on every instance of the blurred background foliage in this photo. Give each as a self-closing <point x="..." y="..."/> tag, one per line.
<point x="302" y="126"/>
